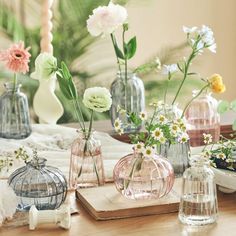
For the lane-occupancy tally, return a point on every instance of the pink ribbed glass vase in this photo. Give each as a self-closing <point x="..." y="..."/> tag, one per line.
<point x="86" y="163"/>
<point x="202" y="117"/>
<point x="137" y="177"/>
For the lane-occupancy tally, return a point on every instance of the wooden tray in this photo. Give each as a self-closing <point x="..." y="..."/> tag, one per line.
<point x="106" y="203"/>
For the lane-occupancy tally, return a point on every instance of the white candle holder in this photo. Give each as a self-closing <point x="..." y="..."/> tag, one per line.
<point x="61" y="217"/>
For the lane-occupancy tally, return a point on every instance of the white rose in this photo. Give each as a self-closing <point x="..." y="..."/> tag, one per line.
<point x="45" y="64"/>
<point x="97" y="99"/>
<point x="105" y="20"/>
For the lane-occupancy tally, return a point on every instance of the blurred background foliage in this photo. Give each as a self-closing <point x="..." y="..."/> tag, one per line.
<point x="19" y="20"/>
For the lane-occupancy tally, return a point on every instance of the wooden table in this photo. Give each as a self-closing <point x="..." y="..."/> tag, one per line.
<point x="163" y="225"/>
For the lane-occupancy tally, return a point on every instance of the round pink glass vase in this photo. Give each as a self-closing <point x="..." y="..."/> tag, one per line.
<point x="202" y="117"/>
<point x="86" y="163"/>
<point x="136" y="177"/>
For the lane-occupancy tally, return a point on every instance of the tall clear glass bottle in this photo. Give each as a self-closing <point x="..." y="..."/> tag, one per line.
<point x="128" y="95"/>
<point x="202" y="117"/>
<point x="14" y="113"/>
<point x="86" y="163"/>
<point x="198" y="203"/>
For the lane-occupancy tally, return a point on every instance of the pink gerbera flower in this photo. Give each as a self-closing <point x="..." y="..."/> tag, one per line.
<point x="16" y="58"/>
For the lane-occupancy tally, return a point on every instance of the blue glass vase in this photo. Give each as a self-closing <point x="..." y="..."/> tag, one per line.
<point x="14" y="113"/>
<point x="39" y="185"/>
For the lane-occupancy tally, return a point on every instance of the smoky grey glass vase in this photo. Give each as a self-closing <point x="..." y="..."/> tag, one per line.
<point x="127" y="94"/>
<point x="39" y="185"/>
<point x="14" y="113"/>
<point x="178" y="155"/>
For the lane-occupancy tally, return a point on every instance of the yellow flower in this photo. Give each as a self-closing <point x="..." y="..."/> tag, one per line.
<point x="216" y="84"/>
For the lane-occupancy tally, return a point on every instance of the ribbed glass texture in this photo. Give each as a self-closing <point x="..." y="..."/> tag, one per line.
<point x="128" y="96"/>
<point x="202" y="117"/>
<point x="14" y="113"/>
<point x="39" y="185"/>
<point x="141" y="178"/>
<point x="86" y="163"/>
<point x="177" y="154"/>
<point x="198" y="203"/>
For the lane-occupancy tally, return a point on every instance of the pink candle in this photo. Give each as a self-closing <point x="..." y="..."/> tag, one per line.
<point x="46" y="35"/>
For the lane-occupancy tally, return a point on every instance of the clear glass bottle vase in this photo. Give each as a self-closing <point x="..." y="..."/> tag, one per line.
<point x="140" y="178"/>
<point x="127" y="94"/>
<point x="198" y="203"/>
<point x="86" y="163"/>
<point x="202" y="117"/>
<point x="14" y="113"/>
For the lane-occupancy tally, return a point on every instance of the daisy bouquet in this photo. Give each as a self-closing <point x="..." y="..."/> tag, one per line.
<point x="222" y="154"/>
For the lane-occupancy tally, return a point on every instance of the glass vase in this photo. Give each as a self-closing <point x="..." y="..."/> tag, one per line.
<point x="202" y="117"/>
<point x="178" y="155"/>
<point x="39" y="185"/>
<point x="139" y="178"/>
<point x="128" y="95"/>
<point x="198" y="203"/>
<point x="86" y="163"/>
<point x="14" y="113"/>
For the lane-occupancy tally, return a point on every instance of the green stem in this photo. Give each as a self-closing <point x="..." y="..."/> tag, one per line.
<point x="81" y="115"/>
<point x="117" y="59"/>
<point x="14" y="82"/>
<point x="185" y="75"/>
<point x="77" y="114"/>
<point x="90" y="125"/>
<point x="193" y="98"/>
<point x="126" y="68"/>
<point x="167" y="86"/>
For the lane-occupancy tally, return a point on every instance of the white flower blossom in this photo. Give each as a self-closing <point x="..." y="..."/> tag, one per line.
<point x="183" y="138"/>
<point x="149" y="152"/>
<point x="97" y="99"/>
<point x="117" y="124"/>
<point x="188" y="30"/>
<point x="106" y="19"/>
<point x="162" y="140"/>
<point x="162" y="119"/>
<point x="207" y="138"/>
<point x="157" y="134"/>
<point x="143" y="115"/>
<point x="45" y="66"/>
<point x="169" y="69"/>
<point x="221" y="156"/>
<point x="139" y="147"/>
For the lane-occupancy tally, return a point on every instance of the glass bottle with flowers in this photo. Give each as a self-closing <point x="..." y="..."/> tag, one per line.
<point x="86" y="164"/>
<point x="144" y="174"/>
<point x="127" y="89"/>
<point x="198" y="39"/>
<point x="14" y="109"/>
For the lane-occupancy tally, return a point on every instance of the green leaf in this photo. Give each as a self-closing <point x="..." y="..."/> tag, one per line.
<point x="63" y="84"/>
<point x="65" y="71"/>
<point x="223" y="107"/>
<point x="234" y="125"/>
<point x="119" y="53"/>
<point x="233" y="105"/>
<point x="130" y="48"/>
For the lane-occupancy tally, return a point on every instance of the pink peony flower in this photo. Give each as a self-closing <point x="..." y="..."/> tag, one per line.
<point x="16" y="58"/>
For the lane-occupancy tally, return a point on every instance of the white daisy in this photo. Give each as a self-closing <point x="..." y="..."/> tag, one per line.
<point x="120" y="131"/>
<point x="157" y="134"/>
<point x="162" y="119"/>
<point x="174" y="129"/>
<point x="221" y="156"/>
<point x="139" y="147"/>
<point x="117" y="123"/>
<point x="143" y="115"/>
<point x="149" y="151"/>
<point x="162" y="140"/>
<point x="207" y="138"/>
<point x="183" y="138"/>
